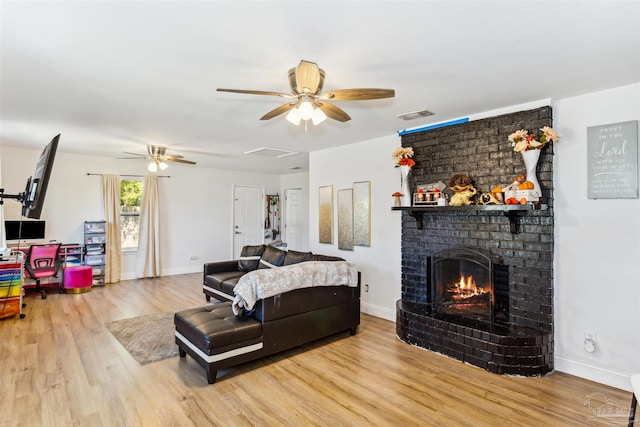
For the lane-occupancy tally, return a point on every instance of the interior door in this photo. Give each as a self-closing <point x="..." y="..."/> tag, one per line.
<point x="292" y="226"/>
<point x="248" y="217"/>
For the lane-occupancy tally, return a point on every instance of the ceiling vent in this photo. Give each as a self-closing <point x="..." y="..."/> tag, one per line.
<point x="415" y="115"/>
<point x="274" y="153"/>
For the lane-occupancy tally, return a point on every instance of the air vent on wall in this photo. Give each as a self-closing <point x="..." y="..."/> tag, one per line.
<point x="272" y="152"/>
<point x="415" y="115"/>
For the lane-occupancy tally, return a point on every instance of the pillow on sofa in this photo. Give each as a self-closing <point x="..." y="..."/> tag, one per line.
<point x="294" y="257"/>
<point x="318" y="257"/>
<point x="272" y="257"/>
<point x="250" y="257"/>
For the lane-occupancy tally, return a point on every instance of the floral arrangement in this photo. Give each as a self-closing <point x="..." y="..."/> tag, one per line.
<point x="522" y="140"/>
<point x="403" y="156"/>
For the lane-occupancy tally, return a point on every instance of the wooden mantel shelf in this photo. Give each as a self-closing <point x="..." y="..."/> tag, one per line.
<point x="513" y="212"/>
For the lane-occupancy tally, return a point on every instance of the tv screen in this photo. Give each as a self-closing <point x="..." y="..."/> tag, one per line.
<point x="24" y="230"/>
<point x="37" y="184"/>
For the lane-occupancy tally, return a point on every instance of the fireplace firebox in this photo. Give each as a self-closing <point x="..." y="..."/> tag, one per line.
<point x="466" y="283"/>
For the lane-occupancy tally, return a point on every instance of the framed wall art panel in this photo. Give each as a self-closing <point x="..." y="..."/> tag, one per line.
<point x="345" y="219"/>
<point x="362" y="213"/>
<point x="325" y="214"/>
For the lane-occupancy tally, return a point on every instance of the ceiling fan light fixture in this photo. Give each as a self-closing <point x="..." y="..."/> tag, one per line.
<point x="294" y="117"/>
<point x="153" y="167"/>
<point x="163" y="165"/>
<point x="305" y="110"/>
<point x="318" y="116"/>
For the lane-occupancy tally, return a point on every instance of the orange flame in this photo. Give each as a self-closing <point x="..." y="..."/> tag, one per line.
<point x="466" y="288"/>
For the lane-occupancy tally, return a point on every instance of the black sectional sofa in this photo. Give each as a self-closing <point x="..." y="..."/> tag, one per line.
<point x="217" y="338"/>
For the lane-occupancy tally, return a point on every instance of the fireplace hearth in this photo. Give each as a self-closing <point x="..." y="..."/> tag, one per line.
<point x="467" y="316"/>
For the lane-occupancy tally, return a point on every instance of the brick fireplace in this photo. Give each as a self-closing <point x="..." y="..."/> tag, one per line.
<point x="517" y="246"/>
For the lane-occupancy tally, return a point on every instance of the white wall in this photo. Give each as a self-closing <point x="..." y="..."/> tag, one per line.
<point x="195" y="204"/>
<point x="597" y="249"/>
<point x="379" y="263"/>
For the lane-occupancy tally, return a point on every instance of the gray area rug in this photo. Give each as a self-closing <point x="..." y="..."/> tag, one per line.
<point x="147" y="338"/>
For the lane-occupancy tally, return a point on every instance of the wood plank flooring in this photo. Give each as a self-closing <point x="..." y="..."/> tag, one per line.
<point x="60" y="366"/>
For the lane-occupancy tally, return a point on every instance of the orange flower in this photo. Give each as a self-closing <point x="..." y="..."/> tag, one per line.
<point x="407" y="162"/>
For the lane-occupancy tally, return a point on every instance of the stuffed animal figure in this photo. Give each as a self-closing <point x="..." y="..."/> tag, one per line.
<point x="463" y="189"/>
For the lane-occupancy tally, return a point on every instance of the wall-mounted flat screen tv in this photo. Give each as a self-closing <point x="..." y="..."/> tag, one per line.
<point x="24" y="230"/>
<point x="37" y="184"/>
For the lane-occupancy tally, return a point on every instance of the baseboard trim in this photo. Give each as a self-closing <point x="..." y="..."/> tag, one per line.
<point x="378" y="311"/>
<point x="172" y="272"/>
<point x="592" y="373"/>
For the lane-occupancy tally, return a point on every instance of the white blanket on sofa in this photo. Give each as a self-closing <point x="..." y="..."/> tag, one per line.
<point x="265" y="283"/>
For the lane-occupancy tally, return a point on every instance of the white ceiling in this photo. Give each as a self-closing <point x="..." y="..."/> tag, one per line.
<point x="116" y="76"/>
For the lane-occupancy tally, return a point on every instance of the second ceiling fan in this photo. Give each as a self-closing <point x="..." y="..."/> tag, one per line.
<point x="308" y="102"/>
<point x="157" y="155"/>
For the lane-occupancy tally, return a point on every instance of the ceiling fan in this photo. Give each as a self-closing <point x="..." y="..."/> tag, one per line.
<point x="158" y="157"/>
<point x="308" y="102"/>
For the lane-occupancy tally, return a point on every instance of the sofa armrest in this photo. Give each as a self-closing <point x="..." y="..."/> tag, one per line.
<point x="220" y="267"/>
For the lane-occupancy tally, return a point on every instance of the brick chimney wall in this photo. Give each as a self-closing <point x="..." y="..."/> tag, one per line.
<point x="481" y="150"/>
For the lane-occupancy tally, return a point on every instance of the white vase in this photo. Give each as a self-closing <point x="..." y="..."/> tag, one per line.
<point x="404" y="186"/>
<point x="530" y="158"/>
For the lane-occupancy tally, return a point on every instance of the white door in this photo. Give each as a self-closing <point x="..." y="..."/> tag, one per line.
<point x="248" y="214"/>
<point x="292" y="226"/>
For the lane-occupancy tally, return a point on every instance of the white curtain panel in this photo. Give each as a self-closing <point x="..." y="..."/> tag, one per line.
<point x="148" y="256"/>
<point x="111" y="197"/>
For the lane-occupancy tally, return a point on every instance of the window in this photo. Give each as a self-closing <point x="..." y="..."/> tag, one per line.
<point x="130" y="198"/>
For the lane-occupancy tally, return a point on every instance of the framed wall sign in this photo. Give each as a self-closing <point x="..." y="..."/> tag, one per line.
<point x="612" y="161"/>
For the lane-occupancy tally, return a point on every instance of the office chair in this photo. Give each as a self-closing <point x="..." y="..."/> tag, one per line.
<point x="41" y="262"/>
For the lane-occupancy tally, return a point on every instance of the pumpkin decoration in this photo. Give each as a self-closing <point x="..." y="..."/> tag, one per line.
<point x="526" y="185"/>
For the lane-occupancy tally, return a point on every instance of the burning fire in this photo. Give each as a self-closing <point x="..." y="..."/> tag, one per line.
<point x="465" y="288"/>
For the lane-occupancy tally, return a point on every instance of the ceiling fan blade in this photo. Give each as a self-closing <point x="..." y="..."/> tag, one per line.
<point x="256" y="92"/>
<point x="173" y="157"/>
<point x="277" y="111"/>
<point x="333" y="112"/>
<point x="188" y="162"/>
<point x="308" y="77"/>
<point x="135" y="154"/>
<point x="357" y="94"/>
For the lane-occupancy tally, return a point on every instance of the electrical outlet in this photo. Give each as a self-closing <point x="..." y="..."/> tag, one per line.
<point x="366" y="287"/>
<point x="590" y="336"/>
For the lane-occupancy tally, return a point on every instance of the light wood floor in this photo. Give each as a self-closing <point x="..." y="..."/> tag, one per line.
<point x="60" y="366"/>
